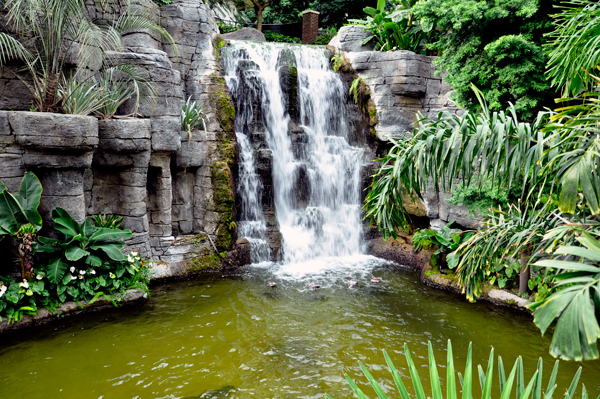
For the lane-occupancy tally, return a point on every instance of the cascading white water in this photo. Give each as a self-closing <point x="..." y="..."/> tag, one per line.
<point x="252" y="222"/>
<point x="328" y="221"/>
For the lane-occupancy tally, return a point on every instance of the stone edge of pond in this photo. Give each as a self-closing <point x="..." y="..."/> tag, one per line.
<point x="70" y="308"/>
<point x="497" y="296"/>
<point x="401" y="251"/>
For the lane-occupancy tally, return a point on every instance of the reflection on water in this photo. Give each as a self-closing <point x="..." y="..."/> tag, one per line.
<point x="235" y="337"/>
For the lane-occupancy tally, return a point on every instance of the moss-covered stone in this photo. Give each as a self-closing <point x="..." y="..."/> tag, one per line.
<point x="223" y="197"/>
<point x="224" y="110"/>
<point x="205" y="260"/>
<point x="293" y="92"/>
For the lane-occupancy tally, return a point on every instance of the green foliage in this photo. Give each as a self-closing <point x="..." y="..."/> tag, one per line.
<point x="191" y="116"/>
<point x="84" y="245"/>
<point x="446" y="239"/>
<point x="276" y="37"/>
<point x="163" y="2"/>
<point x="108" y="221"/>
<point x="479" y="199"/>
<point x="81" y="282"/>
<point x="573" y="47"/>
<point x="356" y="88"/>
<point x="394" y="30"/>
<point x="336" y="62"/>
<point x="576" y="304"/>
<point x="493" y="44"/>
<point x="325" y="38"/>
<point x="80" y="97"/>
<point x="18" y="210"/>
<point x="226" y="28"/>
<point x="467" y="380"/>
<point x="50" y="29"/>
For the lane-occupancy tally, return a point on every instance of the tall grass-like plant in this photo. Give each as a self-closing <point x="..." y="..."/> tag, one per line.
<point x="515" y="379"/>
<point x="191" y="116"/>
<point x="574" y="46"/>
<point x="80" y="97"/>
<point x="54" y="30"/>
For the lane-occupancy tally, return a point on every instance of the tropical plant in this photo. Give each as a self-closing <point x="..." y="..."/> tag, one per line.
<point x="576" y="304"/>
<point x="533" y="389"/>
<point x="494" y="44"/>
<point x="80" y="97"/>
<point x="392" y="30"/>
<point x="82" y="245"/>
<point x="325" y="38"/>
<point x="278" y="38"/>
<point x="513" y="233"/>
<point x="191" y="116"/>
<point x="573" y="46"/>
<point x="52" y="31"/>
<point x="108" y="221"/>
<point x="336" y="62"/>
<point x="445" y="239"/>
<point x="20" y="218"/>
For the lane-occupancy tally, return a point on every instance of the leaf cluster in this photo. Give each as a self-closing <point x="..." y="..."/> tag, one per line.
<point x="493" y="44"/>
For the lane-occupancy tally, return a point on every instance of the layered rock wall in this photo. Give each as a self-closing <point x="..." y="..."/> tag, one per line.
<point x="173" y="189"/>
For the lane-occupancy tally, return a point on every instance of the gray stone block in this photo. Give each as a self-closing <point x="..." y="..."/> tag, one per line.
<point x="245" y="34"/>
<point x="166" y="134"/>
<point x="124" y="135"/>
<point x="43" y="130"/>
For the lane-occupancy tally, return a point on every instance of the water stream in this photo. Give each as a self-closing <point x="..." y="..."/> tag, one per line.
<point x="317" y="183"/>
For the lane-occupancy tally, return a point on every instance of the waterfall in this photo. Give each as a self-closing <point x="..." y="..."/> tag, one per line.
<point x="316" y="173"/>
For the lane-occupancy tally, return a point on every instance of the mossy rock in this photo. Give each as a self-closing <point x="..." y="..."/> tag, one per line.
<point x="205" y="261"/>
<point x="223" y="197"/>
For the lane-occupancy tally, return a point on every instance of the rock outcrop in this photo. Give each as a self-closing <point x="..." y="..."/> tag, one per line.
<point x="250" y="34"/>
<point x="173" y="189"/>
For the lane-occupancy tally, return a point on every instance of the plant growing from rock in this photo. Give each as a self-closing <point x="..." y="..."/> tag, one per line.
<point x="52" y="32"/>
<point x="20" y="218"/>
<point x="192" y="116"/>
<point x="446" y="239"/>
<point x="533" y="389"/>
<point x="82" y="245"/>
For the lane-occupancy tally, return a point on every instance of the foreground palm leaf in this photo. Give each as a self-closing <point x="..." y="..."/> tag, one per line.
<point x="533" y="389"/>
<point x="576" y="304"/>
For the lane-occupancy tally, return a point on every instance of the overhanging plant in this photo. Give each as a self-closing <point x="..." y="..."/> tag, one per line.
<point x="81" y="245"/>
<point x="20" y="218"/>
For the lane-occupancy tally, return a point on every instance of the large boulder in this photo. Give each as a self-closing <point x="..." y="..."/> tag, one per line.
<point x="246" y="34"/>
<point x="350" y="39"/>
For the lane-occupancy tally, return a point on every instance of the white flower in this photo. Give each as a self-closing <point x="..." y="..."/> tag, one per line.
<point x="134" y="253"/>
<point x="39" y="276"/>
<point x="93" y="272"/>
<point x="24" y="284"/>
<point x="72" y="269"/>
<point x="73" y="278"/>
<point x="130" y="259"/>
<point x="2" y="290"/>
<point x="82" y="272"/>
<point x="80" y="276"/>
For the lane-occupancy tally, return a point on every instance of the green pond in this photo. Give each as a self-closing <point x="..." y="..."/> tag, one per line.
<point x="232" y="336"/>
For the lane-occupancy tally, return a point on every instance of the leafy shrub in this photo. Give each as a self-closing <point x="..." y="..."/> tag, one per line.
<point x="495" y="45"/>
<point x="325" y="38"/>
<point x="191" y="116"/>
<point x="336" y="62"/>
<point x="446" y="239"/>
<point x="163" y="2"/>
<point x="479" y="199"/>
<point x="108" y="221"/>
<point x="226" y="28"/>
<point x="276" y="37"/>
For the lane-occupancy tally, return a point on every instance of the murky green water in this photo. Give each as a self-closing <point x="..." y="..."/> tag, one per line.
<point x="235" y="337"/>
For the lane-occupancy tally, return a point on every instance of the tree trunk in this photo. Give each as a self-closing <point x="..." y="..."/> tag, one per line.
<point x="525" y="272"/>
<point x="259" y="18"/>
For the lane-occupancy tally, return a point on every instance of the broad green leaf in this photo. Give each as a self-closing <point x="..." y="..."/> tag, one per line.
<point x="569" y="191"/>
<point x="399" y="384"/>
<point x="2" y="186"/>
<point x="55" y="270"/>
<point x="450" y="377"/>
<point x="487" y="388"/>
<point x="12" y="216"/>
<point x="414" y="375"/>
<point x="31" y="191"/>
<point x="468" y="377"/>
<point x="105" y="234"/>
<point x="74" y="252"/>
<point x="111" y="250"/>
<point x="64" y="223"/>
<point x="93" y="260"/>
<point x="501" y="374"/>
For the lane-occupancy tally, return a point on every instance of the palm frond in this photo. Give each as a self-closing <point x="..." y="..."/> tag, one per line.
<point x="11" y="48"/>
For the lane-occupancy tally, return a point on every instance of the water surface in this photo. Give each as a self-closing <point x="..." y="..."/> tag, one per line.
<point x="233" y="336"/>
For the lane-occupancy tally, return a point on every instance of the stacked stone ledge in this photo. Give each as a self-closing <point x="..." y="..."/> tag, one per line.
<point x="403" y="85"/>
<point x="144" y="169"/>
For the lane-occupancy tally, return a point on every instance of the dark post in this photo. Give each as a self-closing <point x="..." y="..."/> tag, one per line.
<point x="310" y="26"/>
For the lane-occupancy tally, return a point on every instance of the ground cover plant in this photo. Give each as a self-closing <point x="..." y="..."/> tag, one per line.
<point x="551" y="159"/>
<point x="84" y="263"/>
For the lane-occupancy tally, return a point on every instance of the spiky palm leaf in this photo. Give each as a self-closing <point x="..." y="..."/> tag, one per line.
<point x="576" y="304"/>
<point x="515" y="379"/>
<point x="58" y="30"/>
<point x="574" y="46"/>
